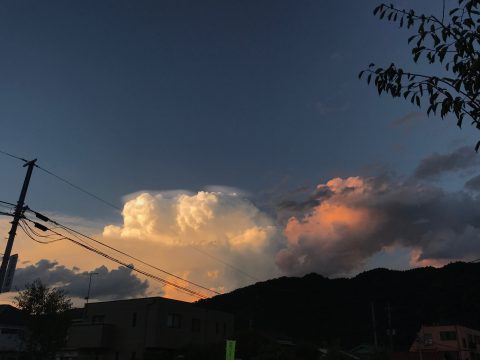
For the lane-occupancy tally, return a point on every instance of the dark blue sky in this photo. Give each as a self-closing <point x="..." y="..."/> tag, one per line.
<point x="121" y="96"/>
<point x="258" y="95"/>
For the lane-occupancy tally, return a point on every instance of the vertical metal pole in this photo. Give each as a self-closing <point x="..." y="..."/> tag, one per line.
<point x="390" y="330"/>
<point x="89" y="286"/>
<point x="375" y="341"/>
<point x="16" y="218"/>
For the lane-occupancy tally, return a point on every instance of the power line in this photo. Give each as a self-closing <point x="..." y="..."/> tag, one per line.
<point x="13" y="156"/>
<point x="64" y="180"/>
<point x="143" y="272"/>
<point x="6" y="207"/>
<point x="98" y="198"/>
<point x="110" y="257"/>
<point x="7" y="203"/>
<point x="24" y="226"/>
<point x="224" y="262"/>
<point x="99" y="252"/>
<point x="79" y="188"/>
<point x="44" y="218"/>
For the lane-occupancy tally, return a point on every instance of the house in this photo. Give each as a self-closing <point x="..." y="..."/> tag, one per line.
<point x="12" y="327"/>
<point x="447" y="342"/>
<point x="144" y="328"/>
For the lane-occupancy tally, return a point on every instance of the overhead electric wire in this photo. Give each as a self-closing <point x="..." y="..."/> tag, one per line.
<point x="224" y="263"/>
<point x="190" y="292"/>
<point x="79" y="188"/>
<point x="73" y="232"/>
<point x="64" y="180"/>
<point x="7" y="203"/>
<point x="98" y="198"/>
<point x="40" y="235"/>
<point x="23" y="225"/>
<point x="13" y="156"/>
<point x="6" y="207"/>
<point x="143" y="272"/>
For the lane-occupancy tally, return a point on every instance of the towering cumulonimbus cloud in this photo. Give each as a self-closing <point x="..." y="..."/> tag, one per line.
<point x="204" y="218"/>
<point x="351" y="219"/>
<point x="215" y="238"/>
<point x="220" y="239"/>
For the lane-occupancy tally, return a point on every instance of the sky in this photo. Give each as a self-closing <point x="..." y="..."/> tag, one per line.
<point x="233" y="139"/>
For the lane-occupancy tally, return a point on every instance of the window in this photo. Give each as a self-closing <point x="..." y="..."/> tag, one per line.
<point x="471" y="342"/>
<point x="134" y="319"/>
<point x="464" y="343"/>
<point x="196" y="325"/>
<point x="448" y="335"/>
<point x="174" y="321"/>
<point x="427" y="339"/>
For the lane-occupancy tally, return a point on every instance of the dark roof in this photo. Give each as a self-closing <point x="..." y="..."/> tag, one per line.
<point x="10" y="315"/>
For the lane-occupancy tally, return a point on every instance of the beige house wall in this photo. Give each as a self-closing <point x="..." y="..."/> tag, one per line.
<point x="127" y="329"/>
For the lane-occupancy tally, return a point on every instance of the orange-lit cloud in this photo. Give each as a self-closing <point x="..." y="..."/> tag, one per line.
<point x="347" y="221"/>
<point x="221" y="240"/>
<point x="417" y="261"/>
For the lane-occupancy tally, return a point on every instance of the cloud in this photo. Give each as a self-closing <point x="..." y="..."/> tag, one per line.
<point x="325" y="108"/>
<point x="408" y="120"/>
<point x="363" y="216"/>
<point x="107" y="284"/>
<point x="473" y="183"/>
<point x="214" y="238"/>
<point x="437" y="164"/>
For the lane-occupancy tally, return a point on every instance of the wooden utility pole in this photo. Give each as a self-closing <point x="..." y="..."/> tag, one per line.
<point x="16" y="218"/>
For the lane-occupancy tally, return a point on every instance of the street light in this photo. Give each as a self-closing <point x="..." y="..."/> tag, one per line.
<point x="89" y="285"/>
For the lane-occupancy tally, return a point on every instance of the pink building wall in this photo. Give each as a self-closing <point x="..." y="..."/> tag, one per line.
<point x="455" y="341"/>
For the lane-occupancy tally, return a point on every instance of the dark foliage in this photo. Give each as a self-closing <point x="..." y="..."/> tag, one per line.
<point x="336" y="312"/>
<point x="451" y="41"/>
<point x="46" y="311"/>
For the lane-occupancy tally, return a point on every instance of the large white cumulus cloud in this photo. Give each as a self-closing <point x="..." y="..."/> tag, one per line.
<point x="204" y="218"/>
<point x="220" y="239"/>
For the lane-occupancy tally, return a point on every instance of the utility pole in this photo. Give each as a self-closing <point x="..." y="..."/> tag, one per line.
<point x="375" y="341"/>
<point x="16" y="218"/>
<point x="390" y="330"/>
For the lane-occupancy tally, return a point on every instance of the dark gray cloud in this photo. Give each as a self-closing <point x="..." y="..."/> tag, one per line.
<point x="285" y="209"/>
<point x="473" y="183"/>
<point x="409" y="119"/>
<point x="108" y="284"/>
<point x="341" y="232"/>
<point x="437" y="164"/>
